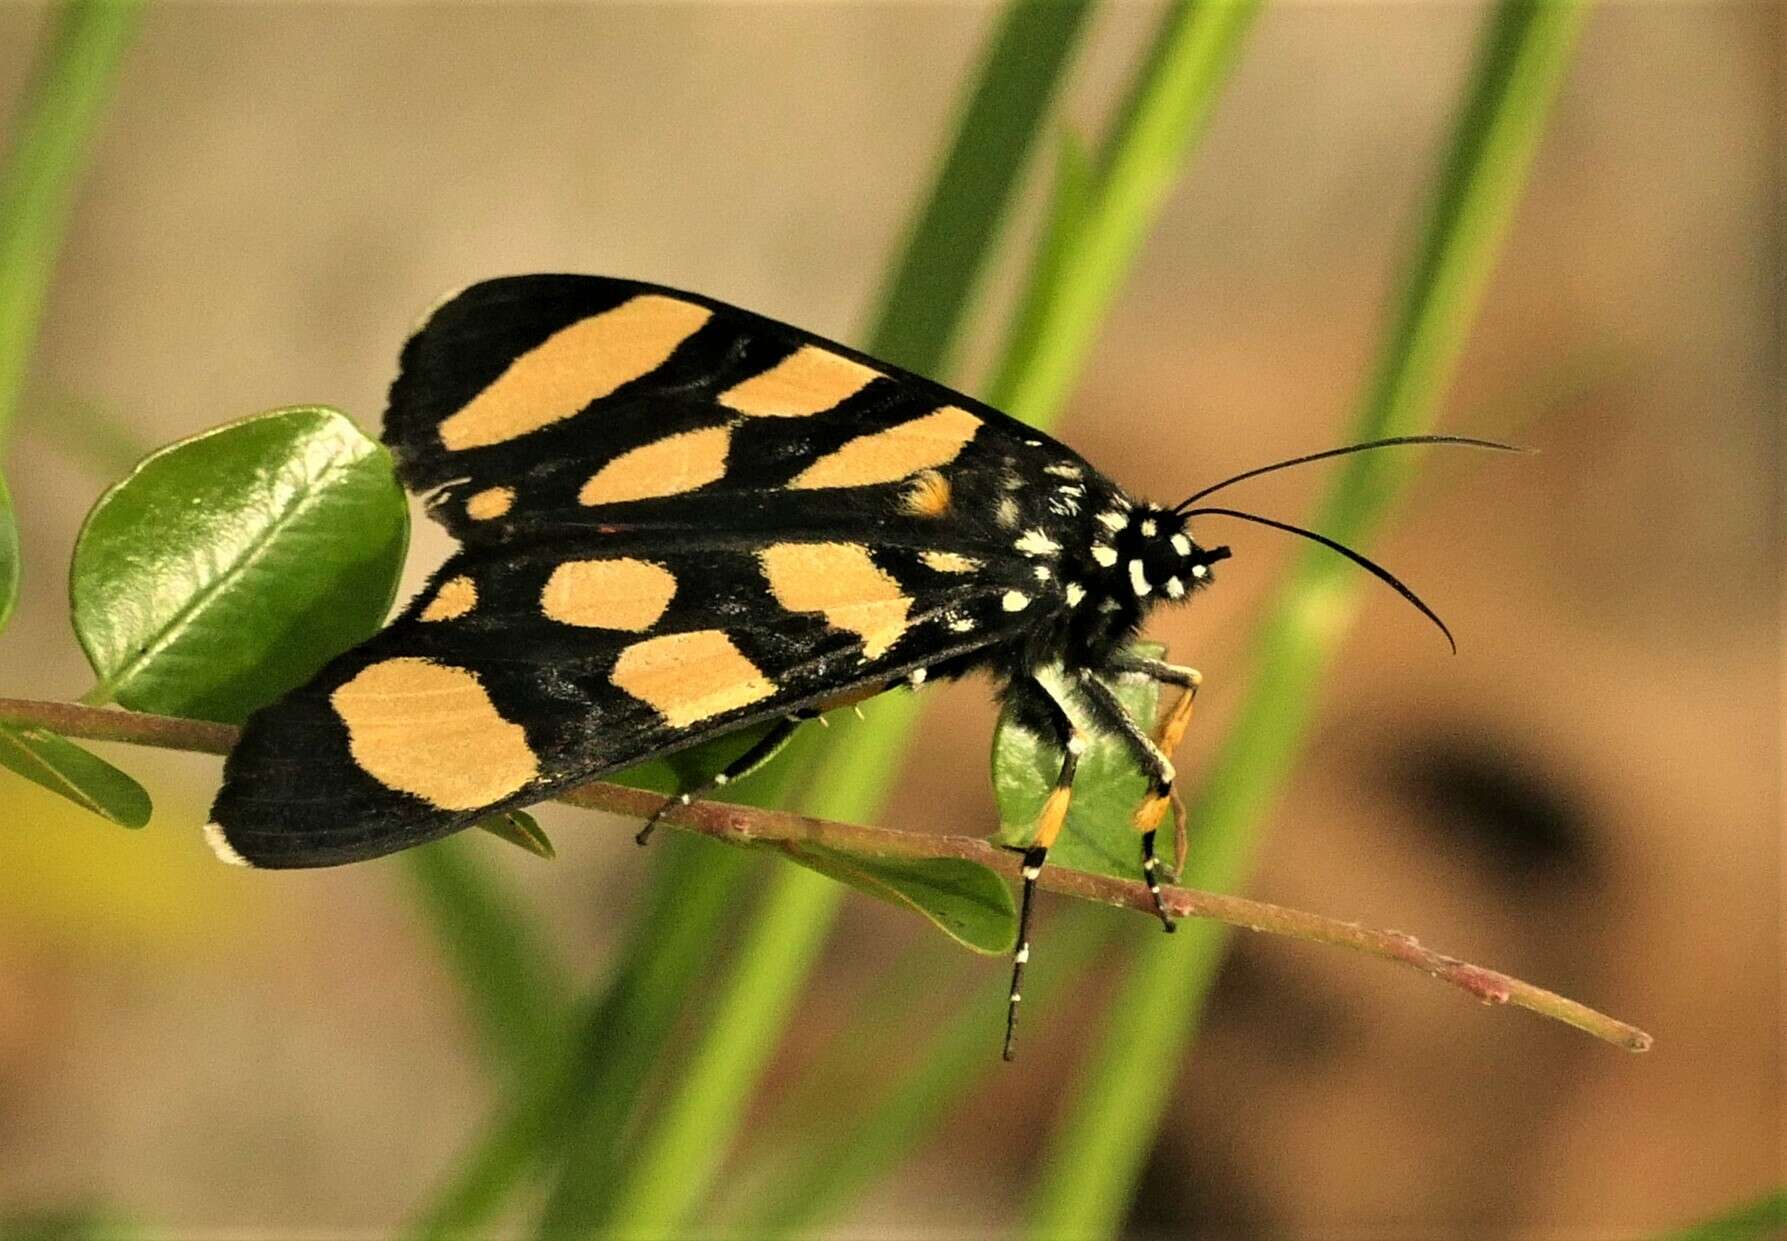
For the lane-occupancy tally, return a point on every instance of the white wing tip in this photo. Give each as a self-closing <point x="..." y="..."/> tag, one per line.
<point x="221" y="846"/>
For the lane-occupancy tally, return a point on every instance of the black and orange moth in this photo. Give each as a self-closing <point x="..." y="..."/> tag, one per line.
<point x="679" y="519"/>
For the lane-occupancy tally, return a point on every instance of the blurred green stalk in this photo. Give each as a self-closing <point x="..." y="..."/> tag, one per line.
<point x="1099" y="229"/>
<point x="1763" y="1219"/>
<point x="1096" y="1155"/>
<point x="52" y="136"/>
<point x="669" y="1165"/>
<point x="512" y="982"/>
<point x="1097" y="222"/>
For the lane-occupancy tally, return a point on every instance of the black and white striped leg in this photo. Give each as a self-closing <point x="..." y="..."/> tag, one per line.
<point x="1172" y="725"/>
<point x="758" y="754"/>
<point x="1151" y="876"/>
<point x="1041" y="711"/>
<point x="1109" y="713"/>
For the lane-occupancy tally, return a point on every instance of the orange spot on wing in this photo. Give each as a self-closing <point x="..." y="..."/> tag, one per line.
<point x="689" y="677"/>
<point x="583" y="362"/>
<point x="430" y="730"/>
<point x="810" y="380"/>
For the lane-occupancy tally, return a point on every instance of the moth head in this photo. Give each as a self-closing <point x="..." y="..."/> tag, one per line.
<point x="1162" y="558"/>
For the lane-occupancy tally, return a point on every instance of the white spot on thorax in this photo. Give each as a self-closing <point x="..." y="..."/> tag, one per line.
<point x="1175" y="588"/>
<point x="917" y="677"/>
<point x="1041" y="571"/>
<point x="1036" y="543"/>
<point x="1149" y="529"/>
<point x="1138" y="579"/>
<point x="1015" y="601"/>
<point x="1198" y="570"/>
<point x="1182" y="545"/>
<point x="1106" y="556"/>
<point x="1075" y="594"/>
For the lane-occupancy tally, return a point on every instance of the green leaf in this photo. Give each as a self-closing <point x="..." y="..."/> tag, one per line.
<point x="229" y="567"/>
<point x="968" y="902"/>
<point x="521" y="829"/>
<point x="9" y="556"/>
<point x="1097" y="836"/>
<point x="62" y="767"/>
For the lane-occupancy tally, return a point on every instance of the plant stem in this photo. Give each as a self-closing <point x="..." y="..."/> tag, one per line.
<point x="747" y="825"/>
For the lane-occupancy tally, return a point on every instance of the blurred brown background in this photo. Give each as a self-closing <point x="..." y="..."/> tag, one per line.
<point x="1588" y="795"/>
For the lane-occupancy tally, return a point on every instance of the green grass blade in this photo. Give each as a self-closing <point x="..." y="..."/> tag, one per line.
<point x="9" y="556"/>
<point x="814" y="1191"/>
<point x="512" y="985"/>
<point x="1096" y="219"/>
<point x="579" y="1108"/>
<point x="1760" y="1220"/>
<point x="678" y="1153"/>
<point x="1097" y="1153"/>
<point x="687" y="1142"/>
<point x="1145" y="155"/>
<point x="927" y="295"/>
<point x="67" y="93"/>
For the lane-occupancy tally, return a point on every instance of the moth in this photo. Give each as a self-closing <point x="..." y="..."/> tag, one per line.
<point x="678" y="519"/>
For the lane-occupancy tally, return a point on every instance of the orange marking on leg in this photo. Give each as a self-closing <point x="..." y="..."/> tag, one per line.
<point x="1053" y="817"/>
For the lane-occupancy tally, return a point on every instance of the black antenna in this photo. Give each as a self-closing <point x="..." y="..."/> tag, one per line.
<point x="1393" y="441"/>
<point x="1371" y="567"/>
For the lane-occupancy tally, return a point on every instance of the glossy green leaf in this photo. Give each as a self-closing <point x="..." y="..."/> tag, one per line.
<point x="85" y="779"/>
<point x="227" y="568"/>
<point x="1097" y="836"/>
<point x="968" y="902"/>
<point x="522" y="830"/>
<point x="9" y="556"/>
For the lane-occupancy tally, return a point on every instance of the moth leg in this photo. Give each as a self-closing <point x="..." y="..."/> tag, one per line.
<point x="1044" y="714"/>
<point x="1172" y="729"/>
<point x="758" y="754"/>
<point x="1150" y="753"/>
